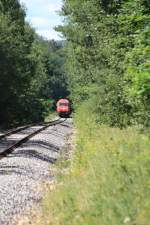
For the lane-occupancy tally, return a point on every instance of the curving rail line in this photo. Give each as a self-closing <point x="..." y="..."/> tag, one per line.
<point x="6" y="149"/>
<point x="16" y="130"/>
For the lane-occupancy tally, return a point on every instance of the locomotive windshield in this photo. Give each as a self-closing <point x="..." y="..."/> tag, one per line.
<point x="63" y="104"/>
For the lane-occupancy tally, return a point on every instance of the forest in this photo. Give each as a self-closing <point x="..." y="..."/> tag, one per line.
<point x="108" y="58"/>
<point x="31" y="69"/>
<point x="105" y="60"/>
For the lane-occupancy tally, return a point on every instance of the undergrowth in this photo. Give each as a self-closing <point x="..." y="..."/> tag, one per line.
<point x="108" y="182"/>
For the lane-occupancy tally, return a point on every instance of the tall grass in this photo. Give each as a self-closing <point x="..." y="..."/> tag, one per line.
<point x="109" y="179"/>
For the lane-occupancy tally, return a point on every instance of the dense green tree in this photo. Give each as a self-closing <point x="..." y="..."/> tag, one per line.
<point x="54" y="63"/>
<point x="101" y="40"/>
<point x="15" y="67"/>
<point x="30" y="68"/>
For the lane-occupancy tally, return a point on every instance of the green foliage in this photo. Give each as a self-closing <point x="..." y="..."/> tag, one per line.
<point x="105" y="40"/>
<point x="15" y="67"/>
<point x="138" y="77"/>
<point x="54" y="58"/>
<point x="31" y="69"/>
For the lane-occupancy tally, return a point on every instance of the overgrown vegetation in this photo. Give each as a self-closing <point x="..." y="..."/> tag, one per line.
<point x="108" y="183"/>
<point x="29" y="77"/>
<point x="108" y="58"/>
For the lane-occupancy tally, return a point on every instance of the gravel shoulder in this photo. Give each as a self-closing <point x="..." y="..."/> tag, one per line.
<point x="23" y="171"/>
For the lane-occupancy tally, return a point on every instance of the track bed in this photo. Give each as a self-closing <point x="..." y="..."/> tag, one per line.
<point x="24" y="170"/>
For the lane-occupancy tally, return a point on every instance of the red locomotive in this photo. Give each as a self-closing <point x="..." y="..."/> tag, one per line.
<point x="63" y="108"/>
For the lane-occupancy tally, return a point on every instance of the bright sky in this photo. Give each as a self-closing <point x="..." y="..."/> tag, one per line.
<point x="43" y="16"/>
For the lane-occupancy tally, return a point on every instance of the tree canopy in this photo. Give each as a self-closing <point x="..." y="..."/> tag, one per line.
<point x="108" y="58"/>
<point x="104" y="60"/>
<point x="31" y="69"/>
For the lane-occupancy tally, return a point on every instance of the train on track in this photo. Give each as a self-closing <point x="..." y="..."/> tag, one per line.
<point x="63" y="108"/>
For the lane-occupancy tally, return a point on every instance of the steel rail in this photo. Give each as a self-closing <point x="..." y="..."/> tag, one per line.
<point x="13" y="131"/>
<point x="16" y="130"/>
<point x="25" y="139"/>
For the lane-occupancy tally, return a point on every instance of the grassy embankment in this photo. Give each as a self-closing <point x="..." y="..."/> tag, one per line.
<point x="108" y="183"/>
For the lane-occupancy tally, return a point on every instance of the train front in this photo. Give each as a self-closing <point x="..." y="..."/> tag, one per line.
<point x="63" y="108"/>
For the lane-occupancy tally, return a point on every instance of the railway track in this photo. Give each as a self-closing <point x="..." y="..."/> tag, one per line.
<point x="16" y="137"/>
<point x="28" y="167"/>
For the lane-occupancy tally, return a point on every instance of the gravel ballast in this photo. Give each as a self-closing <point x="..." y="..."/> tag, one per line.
<point x="23" y="171"/>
